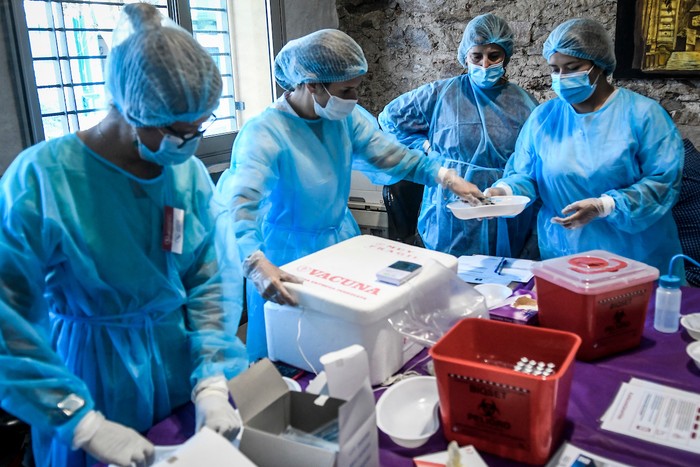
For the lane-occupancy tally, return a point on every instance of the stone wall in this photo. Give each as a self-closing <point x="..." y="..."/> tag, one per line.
<point x="412" y="42"/>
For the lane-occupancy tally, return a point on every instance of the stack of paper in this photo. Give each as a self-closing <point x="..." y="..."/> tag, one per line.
<point x="206" y="447"/>
<point x="481" y="269"/>
<point x="656" y="413"/>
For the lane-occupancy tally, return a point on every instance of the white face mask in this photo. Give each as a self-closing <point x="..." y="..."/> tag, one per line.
<point x="336" y="108"/>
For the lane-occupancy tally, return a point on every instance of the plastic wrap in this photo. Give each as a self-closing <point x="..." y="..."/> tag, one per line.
<point x="431" y="311"/>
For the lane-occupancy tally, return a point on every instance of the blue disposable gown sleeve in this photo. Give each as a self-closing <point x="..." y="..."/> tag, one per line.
<point x="370" y="118"/>
<point x="244" y="189"/>
<point x="214" y="285"/>
<point x="520" y="173"/>
<point x="408" y="117"/>
<point x="384" y="159"/>
<point x="660" y="163"/>
<point x="33" y="379"/>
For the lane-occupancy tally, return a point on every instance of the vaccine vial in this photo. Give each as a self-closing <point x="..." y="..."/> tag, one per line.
<point x="667" y="313"/>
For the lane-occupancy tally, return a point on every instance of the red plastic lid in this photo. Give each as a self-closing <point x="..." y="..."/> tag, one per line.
<point x="594" y="272"/>
<point x="596" y="265"/>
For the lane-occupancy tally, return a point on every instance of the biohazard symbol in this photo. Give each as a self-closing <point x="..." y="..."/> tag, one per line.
<point x="488" y="408"/>
<point x="619" y="316"/>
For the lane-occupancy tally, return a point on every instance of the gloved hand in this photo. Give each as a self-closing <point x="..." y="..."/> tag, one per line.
<point x="213" y="410"/>
<point x="112" y="443"/>
<point x="584" y="211"/>
<point x="462" y="188"/>
<point x="268" y="279"/>
<point x="495" y="191"/>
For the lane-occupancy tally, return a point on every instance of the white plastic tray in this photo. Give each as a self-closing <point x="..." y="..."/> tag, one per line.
<point x="507" y="206"/>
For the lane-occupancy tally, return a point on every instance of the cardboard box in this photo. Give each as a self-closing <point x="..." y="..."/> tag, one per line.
<point x="509" y="314"/>
<point x="342" y="303"/>
<point x="521" y="308"/>
<point x="268" y="408"/>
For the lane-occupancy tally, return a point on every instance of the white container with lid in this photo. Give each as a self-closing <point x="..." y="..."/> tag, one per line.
<point x="342" y="303"/>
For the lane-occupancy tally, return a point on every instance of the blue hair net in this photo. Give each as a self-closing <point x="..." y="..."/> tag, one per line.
<point x="157" y="73"/>
<point x="325" y="56"/>
<point x="582" y="38"/>
<point x="486" y="29"/>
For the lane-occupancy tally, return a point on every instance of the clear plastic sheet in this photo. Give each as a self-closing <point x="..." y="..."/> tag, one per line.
<point x="439" y="303"/>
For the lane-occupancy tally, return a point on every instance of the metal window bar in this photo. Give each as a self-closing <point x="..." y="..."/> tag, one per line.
<point x="57" y="41"/>
<point x="90" y="2"/>
<point x="58" y="32"/>
<point x="66" y="82"/>
<point x="67" y="104"/>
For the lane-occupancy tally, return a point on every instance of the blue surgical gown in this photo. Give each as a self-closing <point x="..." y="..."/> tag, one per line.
<point x="289" y="183"/>
<point x="628" y="149"/>
<point x="473" y="131"/>
<point x="92" y="305"/>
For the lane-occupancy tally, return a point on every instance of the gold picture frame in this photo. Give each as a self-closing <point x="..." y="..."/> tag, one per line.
<point x="658" y="39"/>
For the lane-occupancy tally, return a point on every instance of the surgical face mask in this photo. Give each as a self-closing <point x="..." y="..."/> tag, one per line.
<point x="574" y="88"/>
<point x="485" y="77"/>
<point x="172" y="150"/>
<point x="336" y="108"/>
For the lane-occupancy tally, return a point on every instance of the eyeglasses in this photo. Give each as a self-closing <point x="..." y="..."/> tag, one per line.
<point x="186" y="137"/>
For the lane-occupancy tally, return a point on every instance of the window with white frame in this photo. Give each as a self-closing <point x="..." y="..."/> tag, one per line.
<point x="68" y="42"/>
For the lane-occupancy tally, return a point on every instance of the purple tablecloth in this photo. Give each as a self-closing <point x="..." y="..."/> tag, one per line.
<point x="660" y="358"/>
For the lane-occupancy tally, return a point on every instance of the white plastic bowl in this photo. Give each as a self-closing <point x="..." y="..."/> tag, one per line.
<point x="292" y="384"/>
<point x="691" y="323"/>
<point x="495" y="294"/>
<point x="407" y="411"/>
<point x="693" y="350"/>
<point x="507" y="206"/>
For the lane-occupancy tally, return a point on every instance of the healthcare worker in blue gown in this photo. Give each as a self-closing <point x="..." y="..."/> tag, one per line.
<point x="469" y="123"/>
<point x="605" y="161"/>
<point x="289" y="180"/>
<point x="106" y="322"/>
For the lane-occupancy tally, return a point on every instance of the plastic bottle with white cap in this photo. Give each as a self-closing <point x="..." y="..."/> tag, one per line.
<point x="667" y="313"/>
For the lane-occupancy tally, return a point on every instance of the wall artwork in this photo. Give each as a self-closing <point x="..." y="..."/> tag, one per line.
<point x="658" y="39"/>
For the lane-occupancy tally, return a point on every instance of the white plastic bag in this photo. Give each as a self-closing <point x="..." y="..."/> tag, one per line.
<point x="442" y="300"/>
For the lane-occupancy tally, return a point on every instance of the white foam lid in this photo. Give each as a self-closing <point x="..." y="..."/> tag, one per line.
<point x="341" y="280"/>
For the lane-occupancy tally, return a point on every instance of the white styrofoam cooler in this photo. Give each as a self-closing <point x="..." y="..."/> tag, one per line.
<point x="341" y="303"/>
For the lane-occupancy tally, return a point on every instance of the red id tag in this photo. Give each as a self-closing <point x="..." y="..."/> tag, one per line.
<point x="173" y="229"/>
